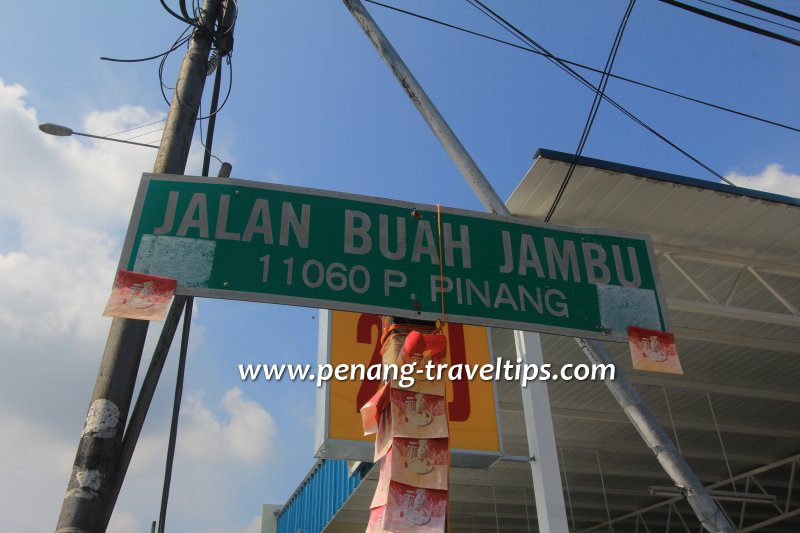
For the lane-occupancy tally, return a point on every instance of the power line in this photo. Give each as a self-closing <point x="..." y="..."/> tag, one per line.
<point x="519" y="34"/>
<point x="145" y="133"/>
<point x="732" y="22"/>
<point x="136" y="127"/>
<point x="767" y="9"/>
<point x="586" y="67"/>
<point x="598" y="98"/>
<point x="746" y="14"/>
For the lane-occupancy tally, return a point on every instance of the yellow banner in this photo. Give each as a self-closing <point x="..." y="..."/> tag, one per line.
<point x="355" y="339"/>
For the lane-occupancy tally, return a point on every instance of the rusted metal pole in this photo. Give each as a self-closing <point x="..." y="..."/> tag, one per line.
<point x="90" y="487"/>
<point x="706" y="509"/>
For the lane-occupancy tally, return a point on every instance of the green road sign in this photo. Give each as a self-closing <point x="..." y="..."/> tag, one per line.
<point x="272" y="243"/>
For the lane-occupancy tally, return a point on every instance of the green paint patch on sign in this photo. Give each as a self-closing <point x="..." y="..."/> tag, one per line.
<point x="271" y="243"/>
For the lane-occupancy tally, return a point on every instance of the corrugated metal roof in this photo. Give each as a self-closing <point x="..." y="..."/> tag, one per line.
<point x="746" y="369"/>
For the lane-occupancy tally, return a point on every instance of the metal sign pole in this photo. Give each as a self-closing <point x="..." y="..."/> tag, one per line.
<point x="90" y="490"/>
<point x="706" y="509"/>
<point x="549" y="494"/>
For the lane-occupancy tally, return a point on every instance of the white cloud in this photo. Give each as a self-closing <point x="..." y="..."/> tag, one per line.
<point x="123" y="522"/>
<point x="63" y="212"/>
<point x="67" y="204"/>
<point x="247" y="435"/>
<point x="35" y="468"/>
<point x="772" y="179"/>
<point x="254" y="526"/>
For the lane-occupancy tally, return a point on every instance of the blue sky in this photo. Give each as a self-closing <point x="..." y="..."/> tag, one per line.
<point x="312" y="105"/>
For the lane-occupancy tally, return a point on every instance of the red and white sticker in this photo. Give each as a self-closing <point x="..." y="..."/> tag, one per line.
<point x="140" y="296"/>
<point x="653" y="351"/>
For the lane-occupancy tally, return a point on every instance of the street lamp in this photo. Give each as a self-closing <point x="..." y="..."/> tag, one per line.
<point x="62" y="131"/>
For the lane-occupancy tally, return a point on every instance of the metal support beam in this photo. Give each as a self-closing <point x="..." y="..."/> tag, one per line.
<point x="713" y="258"/>
<point x="735" y="286"/>
<point x="690" y="279"/>
<point x="716" y="388"/>
<point x="702" y="425"/>
<point x="550" y="510"/>
<point x="778" y="296"/>
<point x="635" y="449"/>
<point x="706" y="509"/>
<point x="469" y="169"/>
<point x="738" y="313"/>
<point x="717" y="337"/>
<point x="785" y="513"/>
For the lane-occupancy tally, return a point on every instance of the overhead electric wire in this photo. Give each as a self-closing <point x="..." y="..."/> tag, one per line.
<point x="519" y="34"/>
<point x="767" y="9"/>
<point x="598" y="98"/>
<point x="586" y="67"/>
<point x="143" y="134"/>
<point x="732" y="22"/>
<point x="136" y="128"/>
<point x="746" y="14"/>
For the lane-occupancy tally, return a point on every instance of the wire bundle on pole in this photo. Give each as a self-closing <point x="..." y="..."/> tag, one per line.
<point x="221" y="35"/>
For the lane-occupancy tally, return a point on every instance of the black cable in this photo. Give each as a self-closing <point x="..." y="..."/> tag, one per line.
<point x="184" y="12"/>
<point x="196" y="20"/>
<point x="586" y="67"/>
<point x="169" y="10"/>
<point x="519" y="34"/>
<point x="767" y="9"/>
<point x="227" y="55"/>
<point x="163" y="62"/>
<point x="732" y="22"/>
<point x="746" y="14"/>
<point x="598" y="98"/>
<point x="174" y="47"/>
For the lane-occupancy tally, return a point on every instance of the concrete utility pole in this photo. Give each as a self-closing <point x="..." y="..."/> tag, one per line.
<point x="94" y="473"/>
<point x="710" y="515"/>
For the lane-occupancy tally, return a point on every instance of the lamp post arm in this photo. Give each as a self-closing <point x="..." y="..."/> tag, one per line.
<point x="115" y="140"/>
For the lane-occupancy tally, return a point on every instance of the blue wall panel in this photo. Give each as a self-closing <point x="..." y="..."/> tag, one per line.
<point x="319" y="497"/>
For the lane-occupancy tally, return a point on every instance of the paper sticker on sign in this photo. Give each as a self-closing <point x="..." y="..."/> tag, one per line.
<point x="140" y="296"/>
<point x="653" y="351"/>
